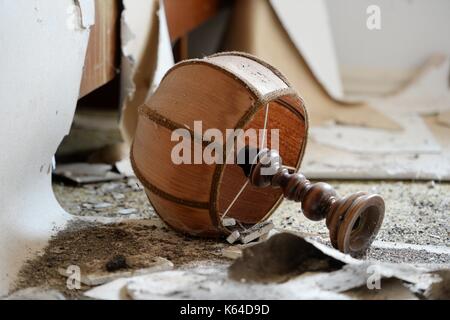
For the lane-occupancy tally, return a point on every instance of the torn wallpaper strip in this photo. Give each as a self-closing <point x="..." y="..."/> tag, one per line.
<point x="147" y="55"/>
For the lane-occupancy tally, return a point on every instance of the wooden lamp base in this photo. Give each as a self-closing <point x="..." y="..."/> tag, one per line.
<point x="353" y="221"/>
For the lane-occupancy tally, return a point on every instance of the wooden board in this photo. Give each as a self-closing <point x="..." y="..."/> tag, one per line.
<point x="184" y="16"/>
<point x="101" y="57"/>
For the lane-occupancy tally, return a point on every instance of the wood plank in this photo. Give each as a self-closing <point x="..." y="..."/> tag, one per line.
<point x="184" y="16"/>
<point x="101" y="57"/>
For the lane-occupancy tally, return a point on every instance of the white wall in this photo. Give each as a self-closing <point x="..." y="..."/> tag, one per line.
<point x="411" y="30"/>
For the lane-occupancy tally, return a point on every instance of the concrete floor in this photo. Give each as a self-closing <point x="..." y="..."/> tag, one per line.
<point x="417" y="215"/>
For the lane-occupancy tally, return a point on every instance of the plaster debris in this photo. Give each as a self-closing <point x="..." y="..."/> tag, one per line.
<point x="232" y="252"/>
<point x="256" y="231"/>
<point x="125" y="168"/>
<point x="87" y="205"/>
<point x="118" y="196"/>
<point x="431" y="184"/>
<point x="414" y="138"/>
<point x="127" y="211"/>
<point x="82" y="169"/>
<point x="235" y="235"/>
<point x="353" y="280"/>
<point x="202" y="282"/>
<point x="282" y="256"/>
<point x="415" y="213"/>
<point x="36" y="293"/>
<point x="418" y="150"/>
<point x="228" y="222"/>
<point x="101" y="277"/>
<point x="110" y="187"/>
<point x="439" y="289"/>
<point x="288" y="257"/>
<point x="102" y="205"/>
<point x="135" y="184"/>
<point x="82" y="173"/>
<point x="90" y="245"/>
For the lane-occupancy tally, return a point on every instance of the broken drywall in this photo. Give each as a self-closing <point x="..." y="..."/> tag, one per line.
<point x="415" y="138"/>
<point x="283" y="267"/>
<point x="324" y="162"/>
<point x="203" y="282"/>
<point x="147" y="55"/>
<point x="427" y="93"/>
<point x="281" y="257"/>
<point x="308" y="26"/>
<point x="420" y="151"/>
<point x="41" y="61"/>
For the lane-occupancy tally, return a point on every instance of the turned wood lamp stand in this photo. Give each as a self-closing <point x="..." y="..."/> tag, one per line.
<point x="353" y="221"/>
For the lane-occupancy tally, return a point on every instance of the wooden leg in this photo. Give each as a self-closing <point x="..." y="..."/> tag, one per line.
<point x="353" y="221"/>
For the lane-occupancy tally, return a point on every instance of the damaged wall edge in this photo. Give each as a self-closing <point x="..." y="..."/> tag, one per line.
<point x="48" y="34"/>
<point x="146" y="56"/>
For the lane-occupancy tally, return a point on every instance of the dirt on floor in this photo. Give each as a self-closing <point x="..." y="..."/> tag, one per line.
<point x="92" y="246"/>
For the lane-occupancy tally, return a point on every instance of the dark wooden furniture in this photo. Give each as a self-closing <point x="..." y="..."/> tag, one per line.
<point x="183" y="16"/>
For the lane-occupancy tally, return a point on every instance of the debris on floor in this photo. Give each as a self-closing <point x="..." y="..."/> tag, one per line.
<point x="118" y="268"/>
<point x="125" y="168"/>
<point x="286" y="256"/>
<point x="228" y="222"/>
<point x="256" y="231"/>
<point x="319" y="273"/>
<point x="233" y="237"/>
<point x="200" y="282"/>
<point x="146" y="246"/>
<point x="82" y="173"/>
<point x="36" y="293"/>
<point x="439" y="289"/>
<point x="91" y="245"/>
<point x="234" y="252"/>
<point x="420" y="149"/>
<point x="124" y="211"/>
<point x="246" y="235"/>
<point x="116" y="263"/>
<point x="283" y="256"/>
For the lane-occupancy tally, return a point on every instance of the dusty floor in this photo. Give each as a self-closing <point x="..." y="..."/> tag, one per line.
<point x="417" y="214"/>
